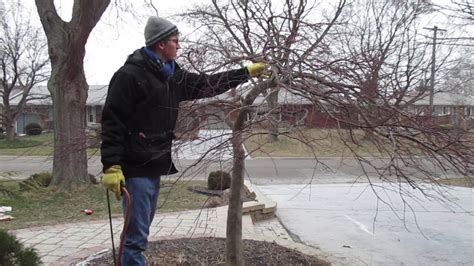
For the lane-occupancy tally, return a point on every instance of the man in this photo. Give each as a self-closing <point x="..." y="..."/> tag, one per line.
<point x="139" y="118"/>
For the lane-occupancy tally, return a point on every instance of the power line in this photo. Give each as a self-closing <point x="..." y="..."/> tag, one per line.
<point x="451" y="44"/>
<point x="457" y="38"/>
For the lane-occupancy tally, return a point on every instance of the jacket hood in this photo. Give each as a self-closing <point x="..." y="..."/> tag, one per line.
<point x="139" y="58"/>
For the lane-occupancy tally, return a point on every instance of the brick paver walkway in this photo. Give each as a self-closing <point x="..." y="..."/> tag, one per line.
<point x="55" y="244"/>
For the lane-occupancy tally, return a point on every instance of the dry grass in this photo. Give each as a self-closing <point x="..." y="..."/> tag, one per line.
<point x="39" y="145"/>
<point x="50" y="206"/>
<point x="310" y="143"/>
<point x="458" y="182"/>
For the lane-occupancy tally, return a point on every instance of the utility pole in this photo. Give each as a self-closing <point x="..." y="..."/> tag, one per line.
<point x="435" y="30"/>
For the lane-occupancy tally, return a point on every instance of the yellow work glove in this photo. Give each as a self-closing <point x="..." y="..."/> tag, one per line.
<point x="256" y="69"/>
<point x="112" y="180"/>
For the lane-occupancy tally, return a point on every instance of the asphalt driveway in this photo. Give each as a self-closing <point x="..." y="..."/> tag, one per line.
<point x="349" y="222"/>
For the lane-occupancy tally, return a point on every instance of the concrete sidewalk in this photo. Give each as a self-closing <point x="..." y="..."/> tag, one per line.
<point x="66" y="244"/>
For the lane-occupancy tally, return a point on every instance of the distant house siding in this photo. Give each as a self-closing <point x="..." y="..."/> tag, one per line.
<point x="34" y="114"/>
<point x="93" y="114"/>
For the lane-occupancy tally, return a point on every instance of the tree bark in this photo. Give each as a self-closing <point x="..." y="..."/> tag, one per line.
<point x="273" y="115"/>
<point x="10" y="131"/>
<point x="8" y="122"/>
<point x="234" y="245"/>
<point x="70" y="149"/>
<point x="68" y="86"/>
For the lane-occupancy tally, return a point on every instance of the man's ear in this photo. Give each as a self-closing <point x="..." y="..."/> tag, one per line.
<point x="160" y="46"/>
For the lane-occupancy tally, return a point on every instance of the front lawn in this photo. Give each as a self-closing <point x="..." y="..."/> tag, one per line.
<point x="39" y="145"/>
<point x="309" y="142"/>
<point x="48" y="206"/>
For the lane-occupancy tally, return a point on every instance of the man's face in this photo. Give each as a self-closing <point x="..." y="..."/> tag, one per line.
<point x="168" y="49"/>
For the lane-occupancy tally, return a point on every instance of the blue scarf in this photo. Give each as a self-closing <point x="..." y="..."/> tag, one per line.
<point x="168" y="68"/>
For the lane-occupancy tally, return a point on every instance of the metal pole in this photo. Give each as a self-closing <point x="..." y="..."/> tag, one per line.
<point x="433" y="68"/>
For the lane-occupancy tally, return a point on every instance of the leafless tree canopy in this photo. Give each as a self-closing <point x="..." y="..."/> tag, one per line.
<point x="361" y="63"/>
<point x="461" y="9"/>
<point x="365" y="59"/>
<point x="459" y="76"/>
<point x="23" y="62"/>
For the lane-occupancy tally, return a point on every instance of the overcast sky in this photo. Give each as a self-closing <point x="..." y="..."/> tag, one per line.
<point x="113" y="39"/>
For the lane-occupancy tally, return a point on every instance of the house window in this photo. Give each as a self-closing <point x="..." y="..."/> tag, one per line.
<point x="50" y="113"/>
<point x="469" y="111"/>
<point x="249" y="116"/>
<point x="90" y="111"/>
<point x="446" y="110"/>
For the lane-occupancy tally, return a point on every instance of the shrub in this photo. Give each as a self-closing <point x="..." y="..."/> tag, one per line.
<point x="12" y="252"/>
<point x="35" y="182"/>
<point x="33" y="129"/>
<point x="43" y="178"/>
<point x="218" y="180"/>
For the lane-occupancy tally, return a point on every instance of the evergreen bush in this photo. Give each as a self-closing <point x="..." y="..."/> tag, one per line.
<point x="33" y="129"/>
<point x="12" y="252"/>
<point x="218" y="180"/>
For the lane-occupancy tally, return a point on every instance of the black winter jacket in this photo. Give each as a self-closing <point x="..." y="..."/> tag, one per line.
<point x="141" y="109"/>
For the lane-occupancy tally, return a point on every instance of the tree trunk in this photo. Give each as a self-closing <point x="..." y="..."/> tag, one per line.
<point x="273" y="115"/>
<point x="9" y="127"/>
<point x="234" y="245"/>
<point x="70" y="149"/>
<point x="68" y="86"/>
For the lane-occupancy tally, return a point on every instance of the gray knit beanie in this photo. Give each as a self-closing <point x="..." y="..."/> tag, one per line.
<point x="157" y="29"/>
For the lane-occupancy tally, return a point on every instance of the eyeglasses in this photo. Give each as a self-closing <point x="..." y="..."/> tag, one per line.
<point x="175" y="40"/>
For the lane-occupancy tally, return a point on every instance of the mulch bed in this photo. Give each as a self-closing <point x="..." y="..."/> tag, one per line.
<point x="211" y="251"/>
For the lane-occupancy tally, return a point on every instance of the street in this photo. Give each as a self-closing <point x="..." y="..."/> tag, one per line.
<point x="325" y="170"/>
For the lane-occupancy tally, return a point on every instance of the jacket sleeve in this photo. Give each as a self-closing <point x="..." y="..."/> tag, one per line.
<point x="197" y="86"/>
<point x="117" y="109"/>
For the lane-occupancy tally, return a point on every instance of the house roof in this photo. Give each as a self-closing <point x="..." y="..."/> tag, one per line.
<point x="97" y="94"/>
<point x="39" y="95"/>
<point x="284" y="96"/>
<point x="446" y="99"/>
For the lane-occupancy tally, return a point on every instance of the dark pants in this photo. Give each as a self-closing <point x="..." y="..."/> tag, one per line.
<point x="144" y="193"/>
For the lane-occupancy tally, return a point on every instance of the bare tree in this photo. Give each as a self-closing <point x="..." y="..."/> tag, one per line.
<point x="459" y="77"/>
<point x="234" y="31"/>
<point x="68" y="85"/>
<point x="23" y="62"/>
<point x="463" y="9"/>
<point x="360" y="64"/>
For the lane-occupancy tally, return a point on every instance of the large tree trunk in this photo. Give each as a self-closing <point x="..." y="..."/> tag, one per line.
<point x="69" y="92"/>
<point x="68" y="86"/>
<point x="9" y="125"/>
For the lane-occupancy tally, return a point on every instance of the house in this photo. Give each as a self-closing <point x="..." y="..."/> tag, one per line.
<point x="446" y="104"/>
<point x="448" y="108"/>
<point x="39" y="108"/>
<point x="293" y="109"/>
